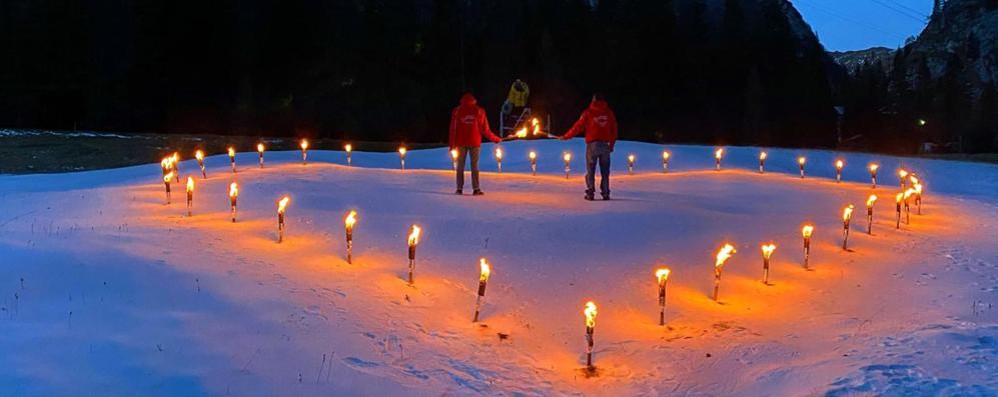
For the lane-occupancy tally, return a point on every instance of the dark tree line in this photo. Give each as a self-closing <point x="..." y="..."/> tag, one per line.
<point x="732" y="72"/>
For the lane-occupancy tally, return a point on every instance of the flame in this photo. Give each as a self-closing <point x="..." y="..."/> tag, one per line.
<point x="871" y="200"/>
<point x="767" y="250"/>
<point x="259" y="147"/>
<point x="899" y="197"/>
<point x="839" y="164"/>
<point x="718" y="153"/>
<point x="283" y="204"/>
<point x="348" y="147"/>
<point x="499" y="153"/>
<point x="801" y="160"/>
<point x="590" y="312"/>
<point x="168" y="177"/>
<point x="486" y="270"/>
<point x="414" y="236"/>
<point x="534" y="121"/>
<point x="847" y="213"/>
<point x="567" y="157"/>
<point x="630" y="158"/>
<point x="913" y="179"/>
<point x="724" y="254"/>
<point x="176" y="157"/>
<point x="233" y="190"/>
<point x="532" y="155"/>
<point x="232" y="152"/>
<point x="190" y="184"/>
<point x="662" y="274"/>
<point x="763" y="155"/>
<point x="304" y="144"/>
<point x="166" y="163"/>
<point x="402" y="151"/>
<point x="908" y="193"/>
<point x="521" y="133"/>
<point x="453" y="154"/>
<point x="665" y="155"/>
<point x="918" y="189"/>
<point x="350" y="220"/>
<point x="902" y="173"/>
<point x="199" y="155"/>
<point x="807" y="230"/>
<point x="874" y="167"/>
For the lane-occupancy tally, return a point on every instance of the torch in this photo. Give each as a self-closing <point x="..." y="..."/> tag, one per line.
<point x="282" y="205"/>
<point x="259" y="149"/>
<point x="232" y="158"/>
<point x="165" y="165"/>
<point x="722" y="258"/>
<point x="402" y="151"/>
<point x="413" y="242"/>
<point x="662" y="275"/>
<point x="767" y="252"/>
<point x="846" y="218"/>
<point x="453" y="156"/>
<point x="869" y="213"/>
<point x="630" y="164"/>
<point x="568" y="158"/>
<point x="800" y="161"/>
<point x="897" y="200"/>
<point x="233" y="195"/>
<point x="873" y="174"/>
<point x="918" y="197"/>
<point x="176" y="166"/>
<point x="665" y="161"/>
<point x="304" y="151"/>
<point x="762" y="161"/>
<point x="483" y="280"/>
<point x="166" y="180"/>
<point x="533" y="162"/>
<point x="590" y="312"/>
<point x="199" y="155"/>
<point x="907" y="205"/>
<point x="499" y="159"/>
<point x="349" y="222"/>
<point x="903" y="175"/>
<point x="806" y="232"/>
<point x="717" y="157"/>
<point x="190" y="195"/>
<point x="838" y="170"/>
<point x="349" y="149"/>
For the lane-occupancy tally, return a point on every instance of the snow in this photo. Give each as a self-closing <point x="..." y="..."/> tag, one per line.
<point x="106" y="290"/>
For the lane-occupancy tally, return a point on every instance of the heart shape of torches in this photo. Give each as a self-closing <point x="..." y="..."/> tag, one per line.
<point x="806" y="232"/>
<point x="282" y="205"/>
<point x="717" y="157"/>
<point x="869" y="213"/>
<point x="722" y="258"/>
<point x="259" y="149"/>
<point x="499" y="158"/>
<point x="349" y="223"/>
<point x="233" y="196"/>
<point x="873" y="174"/>
<point x="838" y="170"/>
<point x="402" y="152"/>
<point x="349" y="149"/>
<point x="630" y="163"/>
<point x="568" y="159"/>
<point x="801" y="161"/>
<point x="533" y="162"/>
<point x="762" y="161"/>
<point x="190" y="195"/>
<point x="846" y="219"/>
<point x="304" y="151"/>
<point x="483" y="280"/>
<point x="662" y="276"/>
<point x="232" y="158"/>
<point x="767" y="252"/>
<point x="590" y="312"/>
<point x="665" y="161"/>
<point x="413" y="241"/>
<point x="199" y="155"/>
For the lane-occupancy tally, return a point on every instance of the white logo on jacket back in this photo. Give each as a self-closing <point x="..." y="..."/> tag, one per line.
<point x="468" y="119"/>
<point x="601" y="120"/>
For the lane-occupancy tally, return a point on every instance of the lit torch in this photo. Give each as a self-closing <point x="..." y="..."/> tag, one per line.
<point x="806" y="232"/>
<point x="304" y="151"/>
<point x="483" y="280"/>
<point x="413" y="242"/>
<point x="232" y="158"/>
<point x="453" y="156"/>
<point x="665" y="161"/>
<point x="918" y="197"/>
<point x="402" y="151"/>
<point x="869" y="213"/>
<point x="662" y="275"/>
<point x="590" y="312"/>
<point x="176" y="166"/>
<point x="630" y="163"/>
<point x="903" y="175"/>
<point x="282" y="205"/>
<point x="801" y="161"/>
<point x="846" y="219"/>
<point x="199" y="155"/>
<point x="233" y="196"/>
<point x="349" y="149"/>
<point x="907" y="205"/>
<point x="190" y="195"/>
<point x="873" y="174"/>
<point x="717" y="157"/>
<point x="897" y="200"/>
<point x="533" y="162"/>
<point x="762" y="161"/>
<point x="521" y="133"/>
<point x="259" y="149"/>
<point x="349" y="222"/>
<point x="536" y="125"/>
<point x="166" y="180"/>
<point x="767" y="252"/>
<point x="499" y="159"/>
<point x="722" y="258"/>
<point x="838" y="170"/>
<point x="568" y="159"/>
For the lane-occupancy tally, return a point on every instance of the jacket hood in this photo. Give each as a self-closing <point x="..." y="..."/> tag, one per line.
<point x="468" y="100"/>
<point x="598" y="104"/>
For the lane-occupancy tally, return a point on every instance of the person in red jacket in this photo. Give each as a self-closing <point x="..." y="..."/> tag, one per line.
<point x="600" y="125"/>
<point x="468" y="125"/>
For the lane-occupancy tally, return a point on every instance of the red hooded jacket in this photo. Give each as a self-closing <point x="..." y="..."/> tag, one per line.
<point x="468" y="124"/>
<point x="599" y="122"/>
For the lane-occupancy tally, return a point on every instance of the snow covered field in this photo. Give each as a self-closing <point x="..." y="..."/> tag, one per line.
<point x="107" y="291"/>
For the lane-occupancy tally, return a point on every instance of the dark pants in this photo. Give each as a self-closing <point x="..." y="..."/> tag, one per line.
<point x="462" y="153"/>
<point x="598" y="152"/>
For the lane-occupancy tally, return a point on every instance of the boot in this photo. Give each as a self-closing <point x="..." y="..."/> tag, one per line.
<point x="459" y="192"/>
<point x="477" y="192"/>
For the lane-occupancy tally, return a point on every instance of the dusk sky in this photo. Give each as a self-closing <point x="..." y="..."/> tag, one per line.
<point x="844" y="25"/>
